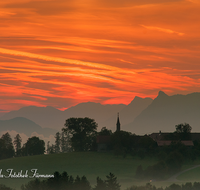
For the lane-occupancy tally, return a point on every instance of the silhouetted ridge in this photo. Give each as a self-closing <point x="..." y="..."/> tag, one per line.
<point x="162" y="94"/>
<point x="167" y="111"/>
<point x="24" y="125"/>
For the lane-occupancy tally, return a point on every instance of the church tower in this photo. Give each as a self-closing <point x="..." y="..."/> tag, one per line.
<point x="118" y="123"/>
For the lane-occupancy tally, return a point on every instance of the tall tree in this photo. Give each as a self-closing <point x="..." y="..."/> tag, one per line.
<point x="57" y="142"/>
<point x="48" y="147"/>
<point x="17" y="143"/>
<point x="101" y="185"/>
<point x="65" y="142"/>
<point x="82" y="131"/>
<point x="7" y="148"/>
<point x="112" y="183"/>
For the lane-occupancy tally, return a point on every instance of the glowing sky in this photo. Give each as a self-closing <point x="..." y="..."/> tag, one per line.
<point x="63" y="52"/>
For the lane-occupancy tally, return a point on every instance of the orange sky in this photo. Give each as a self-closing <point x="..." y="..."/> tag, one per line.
<point x="63" y="52"/>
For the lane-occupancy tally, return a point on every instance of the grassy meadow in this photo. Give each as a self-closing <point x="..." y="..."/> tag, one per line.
<point x="90" y="164"/>
<point x="191" y="175"/>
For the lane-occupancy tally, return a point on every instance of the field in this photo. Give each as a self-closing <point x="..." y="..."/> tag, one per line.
<point x="90" y="164"/>
<point x="191" y="175"/>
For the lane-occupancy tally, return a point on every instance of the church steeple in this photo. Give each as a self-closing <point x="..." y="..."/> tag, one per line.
<point x="118" y="123"/>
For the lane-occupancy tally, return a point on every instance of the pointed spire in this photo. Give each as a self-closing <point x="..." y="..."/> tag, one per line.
<point x="118" y="123"/>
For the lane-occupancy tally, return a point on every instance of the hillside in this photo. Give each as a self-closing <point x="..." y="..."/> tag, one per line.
<point x="90" y="164"/>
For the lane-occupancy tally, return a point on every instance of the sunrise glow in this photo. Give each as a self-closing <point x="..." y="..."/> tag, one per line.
<point x="61" y="53"/>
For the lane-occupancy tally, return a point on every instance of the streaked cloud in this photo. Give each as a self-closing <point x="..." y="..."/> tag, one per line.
<point x="162" y="30"/>
<point x="61" y="53"/>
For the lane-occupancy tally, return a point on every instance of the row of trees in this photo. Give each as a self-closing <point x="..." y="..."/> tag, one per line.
<point x="186" y="186"/>
<point x="10" y="148"/>
<point x="62" y="144"/>
<point x="80" y="134"/>
<point x="65" y="182"/>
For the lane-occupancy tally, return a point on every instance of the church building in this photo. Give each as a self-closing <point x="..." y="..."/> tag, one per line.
<point x="103" y="141"/>
<point x="118" y="124"/>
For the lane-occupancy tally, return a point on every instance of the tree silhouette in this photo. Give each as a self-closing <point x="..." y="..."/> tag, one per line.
<point x="6" y="146"/>
<point x="17" y="142"/>
<point x="82" y="131"/>
<point x="101" y="185"/>
<point x="34" y="146"/>
<point x="111" y="182"/>
<point x="57" y="142"/>
<point x="183" y="131"/>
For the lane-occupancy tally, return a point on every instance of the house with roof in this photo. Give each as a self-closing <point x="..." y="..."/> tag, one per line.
<point x="165" y="139"/>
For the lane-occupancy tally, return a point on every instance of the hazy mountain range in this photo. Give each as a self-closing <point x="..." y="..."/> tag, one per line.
<point x="141" y="116"/>
<point x="49" y="117"/>
<point x="167" y="111"/>
<point x="26" y="126"/>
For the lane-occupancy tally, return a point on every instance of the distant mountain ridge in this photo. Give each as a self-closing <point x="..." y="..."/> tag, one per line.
<point x="24" y="125"/>
<point x="141" y="116"/>
<point x="104" y="115"/>
<point x="49" y="117"/>
<point x="167" y="111"/>
<point x="128" y="113"/>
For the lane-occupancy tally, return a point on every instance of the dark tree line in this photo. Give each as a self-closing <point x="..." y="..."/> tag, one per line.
<point x="81" y="135"/>
<point x="9" y="148"/>
<point x="65" y="182"/>
<point x="186" y="186"/>
<point x="62" y="143"/>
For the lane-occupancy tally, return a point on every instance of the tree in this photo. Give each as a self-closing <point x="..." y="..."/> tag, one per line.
<point x="57" y="142"/>
<point x="3" y="187"/>
<point x="65" y="142"/>
<point x="33" y="185"/>
<point x="174" y="187"/>
<point x="101" y="185"/>
<point x="6" y="146"/>
<point x="105" y="132"/>
<point x="111" y="182"/>
<point x="34" y="146"/>
<point x="85" y="184"/>
<point x="48" y="147"/>
<point x="17" y="142"/>
<point x="183" y="131"/>
<point x="122" y="142"/>
<point x="82" y="131"/>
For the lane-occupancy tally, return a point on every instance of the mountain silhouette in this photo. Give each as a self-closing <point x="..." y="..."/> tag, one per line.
<point x="141" y="116"/>
<point x="46" y="117"/>
<point x="24" y="125"/>
<point x="93" y="110"/>
<point x="128" y="113"/>
<point x="49" y="117"/>
<point x="167" y="111"/>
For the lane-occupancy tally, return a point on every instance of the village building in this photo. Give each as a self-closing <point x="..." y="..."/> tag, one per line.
<point x="103" y="142"/>
<point x="163" y="139"/>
